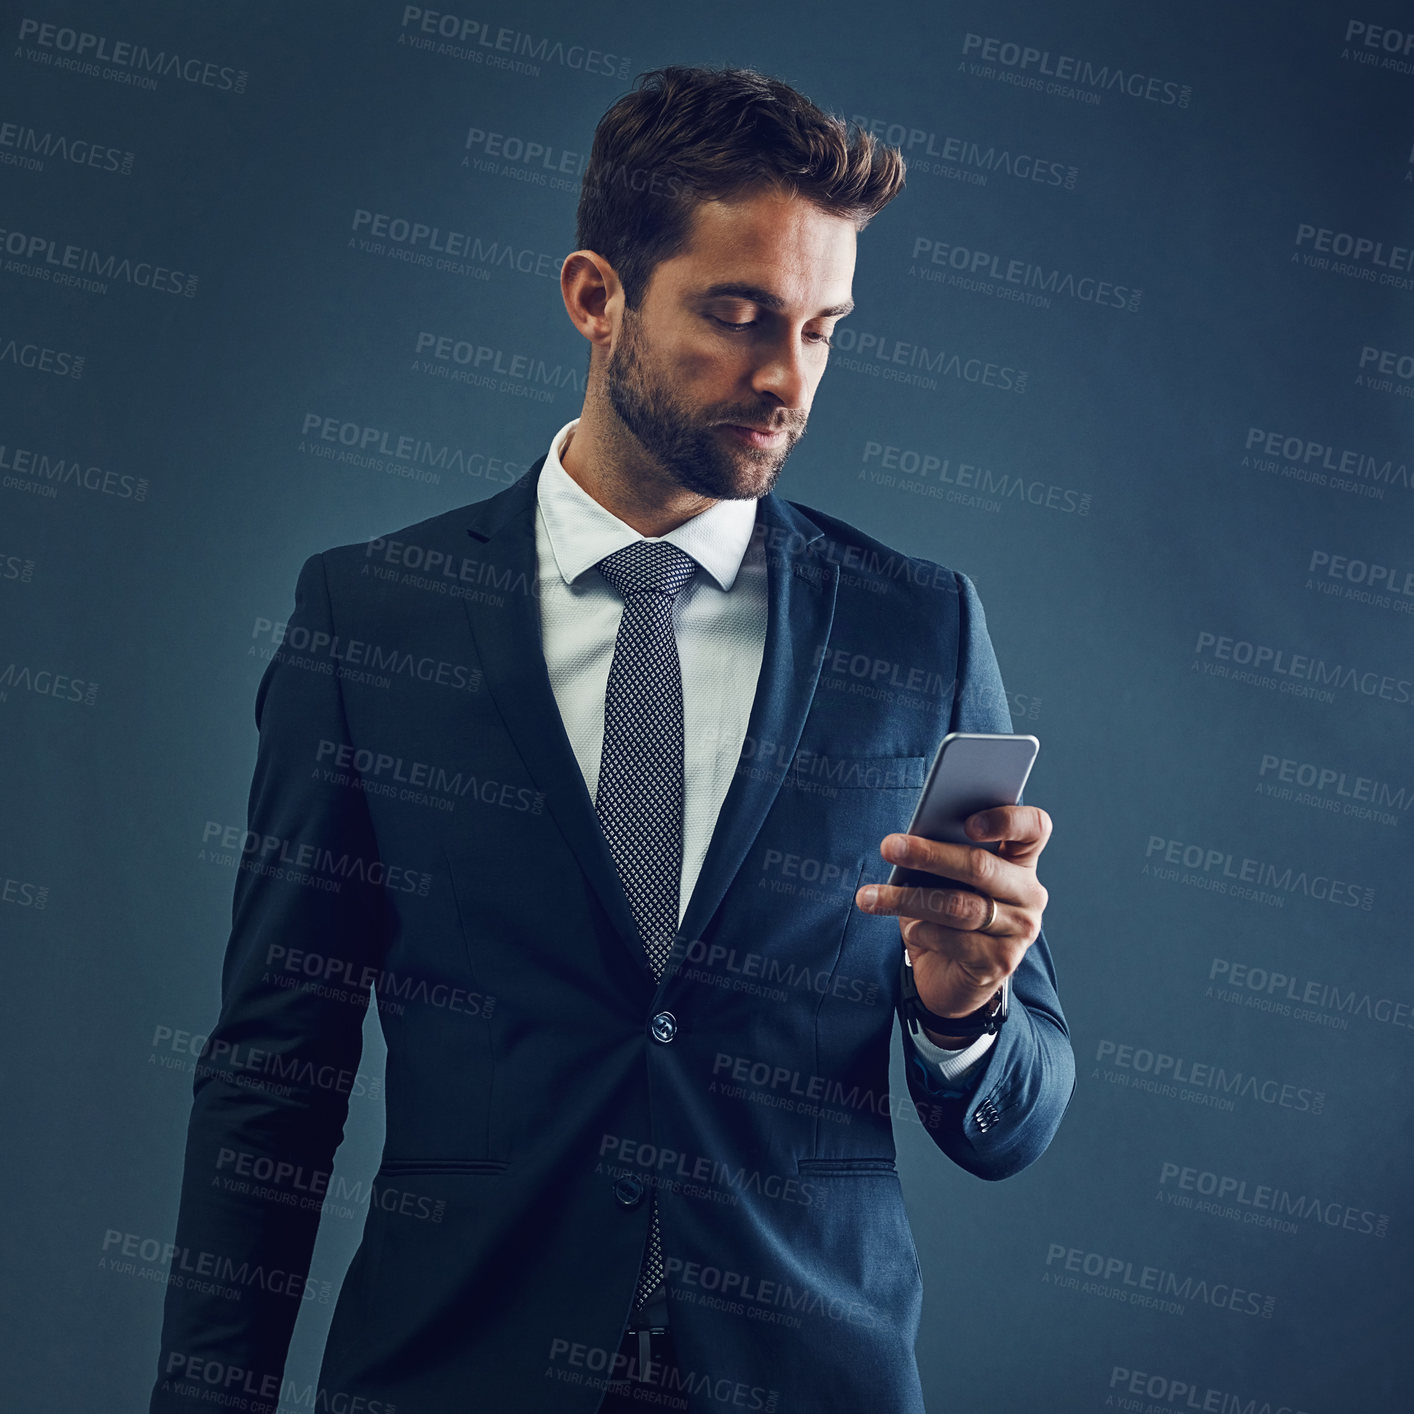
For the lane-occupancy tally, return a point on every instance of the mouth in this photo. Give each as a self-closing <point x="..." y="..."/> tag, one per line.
<point x="755" y="436"/>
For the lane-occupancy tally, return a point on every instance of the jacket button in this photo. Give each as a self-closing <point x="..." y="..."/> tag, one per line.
<point x="665" y="1027"/>
<point x="629" y="1192"/>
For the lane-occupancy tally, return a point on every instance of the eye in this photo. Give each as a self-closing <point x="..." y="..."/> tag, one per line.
<point x="820" y="339"/>
<point x="727" y="323"/>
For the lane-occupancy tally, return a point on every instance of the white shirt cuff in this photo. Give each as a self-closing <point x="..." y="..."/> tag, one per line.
<point x="952" y="1067"/>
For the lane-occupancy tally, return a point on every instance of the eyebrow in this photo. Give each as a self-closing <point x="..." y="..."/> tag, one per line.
<point x="766" y="299"/>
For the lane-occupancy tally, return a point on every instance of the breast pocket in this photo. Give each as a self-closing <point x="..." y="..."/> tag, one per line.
<point x="847" y="804"/>
<point x="822" y="772"/>
<point x="844" y="806"/>
<point x="819" y="843"/>
<point x="822" y="838"/>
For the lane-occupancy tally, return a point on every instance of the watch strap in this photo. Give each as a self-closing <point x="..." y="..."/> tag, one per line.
<point x="985" y="1021"/>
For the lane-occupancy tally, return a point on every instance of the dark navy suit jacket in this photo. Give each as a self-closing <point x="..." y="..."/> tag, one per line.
<point x="530" y="1104"/>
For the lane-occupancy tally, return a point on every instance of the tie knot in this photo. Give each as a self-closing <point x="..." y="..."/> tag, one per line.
<point x="648" y="567"/>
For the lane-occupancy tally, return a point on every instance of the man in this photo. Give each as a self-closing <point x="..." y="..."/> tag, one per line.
<point x="605" y="824"/>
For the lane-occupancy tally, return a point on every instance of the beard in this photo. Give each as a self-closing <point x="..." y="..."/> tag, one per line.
<point x="686" y="442"/>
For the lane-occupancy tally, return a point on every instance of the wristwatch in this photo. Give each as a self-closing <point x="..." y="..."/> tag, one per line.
<point x="985" y="1021"/>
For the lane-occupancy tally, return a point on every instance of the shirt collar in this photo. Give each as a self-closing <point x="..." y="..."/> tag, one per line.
<point x="582" y="532"/>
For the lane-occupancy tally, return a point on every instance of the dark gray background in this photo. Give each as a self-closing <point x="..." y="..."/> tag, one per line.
<point x="1164" y="527"/>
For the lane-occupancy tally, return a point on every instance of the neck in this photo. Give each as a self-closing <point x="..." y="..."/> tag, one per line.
<point x="613" y="466"/>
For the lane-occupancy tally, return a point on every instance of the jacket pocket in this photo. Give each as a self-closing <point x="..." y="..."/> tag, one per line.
<point x="842" y="1166"/>
<point x="395" y="1166"/>
<point x="822" y="772"/>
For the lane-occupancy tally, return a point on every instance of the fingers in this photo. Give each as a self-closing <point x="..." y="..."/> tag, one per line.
<point x="1023" y="830"/>
<point x="980" y="960"/>
<point x="953" y="910"/>
<point x="956" y="915"/>
<point x="957" y="909"/>
<point x="1006" y="880"/>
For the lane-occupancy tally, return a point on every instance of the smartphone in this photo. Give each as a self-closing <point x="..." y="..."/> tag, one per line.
<point x="972" y="771"/>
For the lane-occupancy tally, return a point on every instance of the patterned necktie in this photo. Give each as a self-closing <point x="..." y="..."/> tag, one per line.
<point x="639" y="797"/>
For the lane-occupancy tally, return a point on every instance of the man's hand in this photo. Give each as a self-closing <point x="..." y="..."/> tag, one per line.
<point x="956" y="967"/>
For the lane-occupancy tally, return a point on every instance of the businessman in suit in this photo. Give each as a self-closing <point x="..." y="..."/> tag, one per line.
<point x="591" y="788"/>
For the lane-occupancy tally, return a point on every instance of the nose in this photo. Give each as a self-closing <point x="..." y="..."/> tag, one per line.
<point x="782" y="374"/>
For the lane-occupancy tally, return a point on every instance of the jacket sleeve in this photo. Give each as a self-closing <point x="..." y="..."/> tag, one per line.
<point x="1004" y="1114"/>
<point x="276" y="1073"/>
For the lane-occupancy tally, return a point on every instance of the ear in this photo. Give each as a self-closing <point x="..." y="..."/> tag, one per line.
<point x="593" y="297"/>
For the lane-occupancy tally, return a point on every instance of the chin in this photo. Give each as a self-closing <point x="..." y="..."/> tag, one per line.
<point x="742" y="483"/>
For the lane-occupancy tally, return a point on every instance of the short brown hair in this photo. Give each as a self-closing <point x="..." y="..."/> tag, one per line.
<point x="685" y="135"/>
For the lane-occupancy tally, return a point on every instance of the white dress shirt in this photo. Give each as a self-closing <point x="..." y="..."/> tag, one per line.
<point x="720" y="622"/>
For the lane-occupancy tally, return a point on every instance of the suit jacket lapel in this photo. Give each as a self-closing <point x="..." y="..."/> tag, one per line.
<point x="508" y="643"/>
<point x="801" y="591"/>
